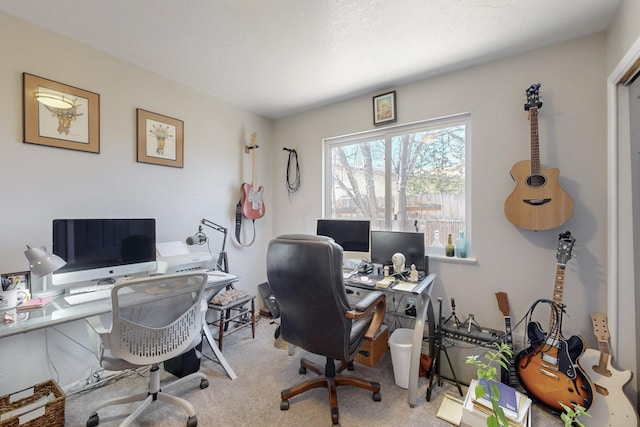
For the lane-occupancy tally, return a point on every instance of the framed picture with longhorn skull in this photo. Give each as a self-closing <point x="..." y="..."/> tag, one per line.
<point x="59" y="115"/>
<point x="160" y="139"/>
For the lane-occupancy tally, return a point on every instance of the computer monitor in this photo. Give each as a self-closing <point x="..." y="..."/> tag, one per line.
<point x="386" y="243"/>
<point x="97" y="249"/>
<point x="352" y="235"/>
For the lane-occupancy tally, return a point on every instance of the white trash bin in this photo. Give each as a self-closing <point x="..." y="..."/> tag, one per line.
<point x="401" y="344"/>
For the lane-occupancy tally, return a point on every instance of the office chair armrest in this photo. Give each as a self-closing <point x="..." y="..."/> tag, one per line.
<point x="374" y="301"/>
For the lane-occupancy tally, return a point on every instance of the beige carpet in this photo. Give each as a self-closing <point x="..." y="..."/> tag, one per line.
<point x="253" y="399"/>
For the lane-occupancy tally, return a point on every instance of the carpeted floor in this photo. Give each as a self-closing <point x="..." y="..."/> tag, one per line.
<point x="253" y="399"/>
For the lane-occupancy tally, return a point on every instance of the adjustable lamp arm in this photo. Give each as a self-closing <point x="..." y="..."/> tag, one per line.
<point x="223" y="263"/>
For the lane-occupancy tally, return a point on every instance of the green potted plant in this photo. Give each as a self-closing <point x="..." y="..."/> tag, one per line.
<point x="487" y="370"/>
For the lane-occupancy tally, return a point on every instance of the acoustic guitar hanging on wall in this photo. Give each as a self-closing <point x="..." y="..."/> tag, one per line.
<point x="537" y="202"/>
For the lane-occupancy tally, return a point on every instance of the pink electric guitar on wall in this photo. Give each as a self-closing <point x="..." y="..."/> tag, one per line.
<point x="252" y="203"/>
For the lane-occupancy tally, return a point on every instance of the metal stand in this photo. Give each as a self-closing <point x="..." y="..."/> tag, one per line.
<point x="453" y="316"/>
<point x="438" y="349"/>
<point x="471" y="321"/>
<point x="217" y="352"/>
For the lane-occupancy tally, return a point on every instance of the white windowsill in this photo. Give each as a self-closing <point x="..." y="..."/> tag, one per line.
<point x="453" y="259"/>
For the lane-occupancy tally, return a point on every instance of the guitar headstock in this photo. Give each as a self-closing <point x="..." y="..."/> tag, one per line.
<point x="533" y="97"/>
<point x="254" y="143"/>
<point x="600" y="328"/>
<point x="565" y="246"/>
<point x="503" y="303"/>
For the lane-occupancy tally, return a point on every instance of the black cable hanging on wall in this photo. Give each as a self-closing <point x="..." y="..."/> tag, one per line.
<point x="292" y="184"/>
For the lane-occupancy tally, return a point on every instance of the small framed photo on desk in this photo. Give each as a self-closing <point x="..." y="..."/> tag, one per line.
<point x="19" y="280"/>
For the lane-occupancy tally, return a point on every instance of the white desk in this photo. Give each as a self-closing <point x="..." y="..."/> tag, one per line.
<point x="58" y="312"/>
<point x="424" y="312"/>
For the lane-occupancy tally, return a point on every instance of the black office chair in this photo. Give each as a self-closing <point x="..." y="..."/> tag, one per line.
<point x="305" y="274"/>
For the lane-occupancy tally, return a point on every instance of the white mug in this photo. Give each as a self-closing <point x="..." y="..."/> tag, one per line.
<point x="11" y="298"/>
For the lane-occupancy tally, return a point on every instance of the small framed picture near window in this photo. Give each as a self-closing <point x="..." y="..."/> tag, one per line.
<point x="59" y="115"/>
<point x="384" y="108"/>
<point x="19" y="280"/>
<point x="160" y="139"/>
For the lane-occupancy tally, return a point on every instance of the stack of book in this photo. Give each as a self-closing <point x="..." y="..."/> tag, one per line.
<point x="516" y="406"/>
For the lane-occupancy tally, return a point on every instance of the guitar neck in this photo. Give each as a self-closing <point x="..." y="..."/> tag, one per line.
<point x="604" y="353"/>
<point x="535" y="144"/>
<point x="558" y="291"/>
<point x="253" y="169"/>
<point x="509" y="338"/>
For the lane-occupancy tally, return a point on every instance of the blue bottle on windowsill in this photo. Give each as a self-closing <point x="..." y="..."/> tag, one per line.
<point x="461" y="246"/>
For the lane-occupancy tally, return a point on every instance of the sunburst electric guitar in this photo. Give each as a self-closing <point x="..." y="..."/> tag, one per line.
<point x="252" y="203"/>
<point x="548" y="368"/>
<point x="508" y="376"/>
<point x="537" y="202"/>
<point x="612" y="407"/>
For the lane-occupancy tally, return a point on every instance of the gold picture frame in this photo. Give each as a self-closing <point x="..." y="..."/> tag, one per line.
<point x="160" y="139"/>
<point x="384" y="108"/>
<point x="59" y="115"/>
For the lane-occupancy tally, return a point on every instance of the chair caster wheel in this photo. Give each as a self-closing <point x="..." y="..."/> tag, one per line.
<point x="93" y="421"/>
<point x="192" y="421"/>
<point x="302" y="370"/>
<point x="284" y="405"/>
<point x="204" y="384"/>
<point x="377" y="397"/>
<point x="351" y="367"/>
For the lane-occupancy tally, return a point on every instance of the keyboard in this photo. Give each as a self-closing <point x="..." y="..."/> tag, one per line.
<point x="75" y="299"/>
<point x="88" y="288"/>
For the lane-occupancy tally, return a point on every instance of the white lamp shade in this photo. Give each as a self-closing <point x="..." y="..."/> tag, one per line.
<point x="41" y="263"/>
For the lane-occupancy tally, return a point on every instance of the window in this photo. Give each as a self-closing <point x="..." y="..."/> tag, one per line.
<point x="405" y="178"/>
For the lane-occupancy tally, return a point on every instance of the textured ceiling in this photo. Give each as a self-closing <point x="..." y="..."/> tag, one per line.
<point x="280" y="57"/>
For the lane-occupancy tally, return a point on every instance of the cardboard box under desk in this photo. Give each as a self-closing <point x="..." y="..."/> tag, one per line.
<point x="375" y="349"/>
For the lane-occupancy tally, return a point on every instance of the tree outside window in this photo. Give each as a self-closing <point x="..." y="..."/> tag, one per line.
<point x="404" y="178"/>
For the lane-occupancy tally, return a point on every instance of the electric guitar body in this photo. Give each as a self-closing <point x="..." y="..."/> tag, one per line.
<point x="252" y="204"/>
<point x="548" y="368"/>
<point x="537" y="202"/>
<point x="612" y="407"/>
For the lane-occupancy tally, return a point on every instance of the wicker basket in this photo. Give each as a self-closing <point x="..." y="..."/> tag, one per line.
<point x="49" y="415"/>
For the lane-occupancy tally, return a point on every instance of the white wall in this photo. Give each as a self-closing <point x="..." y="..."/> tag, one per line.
<point x="572" y="138"/>
<point x="42" y="183"/>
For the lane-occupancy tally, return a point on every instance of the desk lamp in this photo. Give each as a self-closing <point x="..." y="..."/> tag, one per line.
<point x="200" y="238"/>
<point x="42" y="264"/>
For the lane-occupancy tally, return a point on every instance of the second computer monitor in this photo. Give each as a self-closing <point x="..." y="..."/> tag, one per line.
<point x="386" y="243"/>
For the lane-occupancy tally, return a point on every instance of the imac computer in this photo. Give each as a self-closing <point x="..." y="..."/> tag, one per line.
<point x="386" y="243"/>
<point x="103" y="249"/>
<point x="352" y="235"/>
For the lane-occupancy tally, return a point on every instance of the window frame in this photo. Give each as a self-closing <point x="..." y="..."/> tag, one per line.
<point x="386" y="134"/>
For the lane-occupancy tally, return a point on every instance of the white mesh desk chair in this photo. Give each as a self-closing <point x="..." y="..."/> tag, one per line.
<point x="153" y="320"/>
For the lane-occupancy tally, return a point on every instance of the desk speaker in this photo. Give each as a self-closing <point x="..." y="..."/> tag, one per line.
<point x="460" y="344"/>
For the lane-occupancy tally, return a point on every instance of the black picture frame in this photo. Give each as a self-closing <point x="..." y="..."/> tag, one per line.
<point x="19" y="277"/>
<point x="384" y="108"/>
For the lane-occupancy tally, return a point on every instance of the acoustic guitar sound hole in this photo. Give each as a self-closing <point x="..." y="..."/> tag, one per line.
<point x="536" y="181"/>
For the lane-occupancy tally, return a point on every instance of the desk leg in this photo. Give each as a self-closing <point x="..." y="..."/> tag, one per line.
<point x="218" y="353"/>
<point x="418" y="333"/>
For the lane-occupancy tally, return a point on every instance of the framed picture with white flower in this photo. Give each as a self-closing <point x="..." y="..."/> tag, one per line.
<point x="160" y="139"/>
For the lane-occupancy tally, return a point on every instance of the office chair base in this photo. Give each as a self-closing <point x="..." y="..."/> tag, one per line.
<point x="154" y="393"/>
<point x="329" y="380"/>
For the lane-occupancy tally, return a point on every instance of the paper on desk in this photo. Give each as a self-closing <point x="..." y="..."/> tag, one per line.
<point x="171" y="248"/>
<point x="404" y="286"/>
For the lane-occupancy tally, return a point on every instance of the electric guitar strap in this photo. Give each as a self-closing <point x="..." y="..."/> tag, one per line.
<point x="239" y="226"/>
